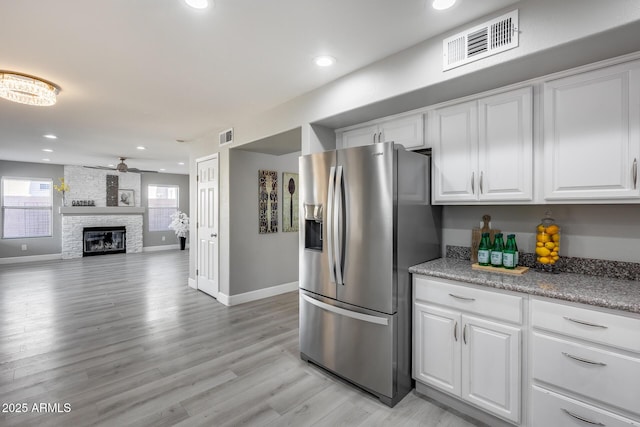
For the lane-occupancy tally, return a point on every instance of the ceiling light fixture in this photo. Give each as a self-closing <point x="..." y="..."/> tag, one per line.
<point x="197" y="4"/>
<point x="46" y="160"/>
<point x="26" y="89"/>
<point x="442" y="4"/>
<point x="324" y="61"/>
<point x="140" y="147"/>
<point x="50" y="136"/>
<point x="181" y="163"/>
<point x="47" y="150"/>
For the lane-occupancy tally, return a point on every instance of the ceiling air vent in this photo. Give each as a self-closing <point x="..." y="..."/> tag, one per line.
<point x="484" y="40"/>
<point x="226" y="137"/>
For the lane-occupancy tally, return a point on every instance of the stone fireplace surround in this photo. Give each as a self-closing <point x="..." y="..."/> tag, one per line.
<point x="90" y="184"/>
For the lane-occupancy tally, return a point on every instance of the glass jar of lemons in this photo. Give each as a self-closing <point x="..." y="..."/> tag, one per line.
<point x="547" y="244"/>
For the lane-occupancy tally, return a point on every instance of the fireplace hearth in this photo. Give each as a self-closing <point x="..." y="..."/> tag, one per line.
<point x="104" y="240"/>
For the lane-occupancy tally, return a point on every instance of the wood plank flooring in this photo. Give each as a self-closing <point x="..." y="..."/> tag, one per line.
<point x="124" y="341"/>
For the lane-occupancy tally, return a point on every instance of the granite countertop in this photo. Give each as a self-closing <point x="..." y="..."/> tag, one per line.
<point x="598" y="291"/>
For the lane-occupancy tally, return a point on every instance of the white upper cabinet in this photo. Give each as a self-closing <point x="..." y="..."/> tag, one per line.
<point x="483" y="150"/>
<point x="404" y="130"/>
<point x="592" y="135"/>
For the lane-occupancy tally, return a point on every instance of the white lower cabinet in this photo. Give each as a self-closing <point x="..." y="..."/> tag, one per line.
<point x="585" y="366"/>
<point x="474" y="358"/>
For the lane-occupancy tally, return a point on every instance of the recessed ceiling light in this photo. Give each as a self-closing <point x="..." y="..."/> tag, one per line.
<point x="442" y="4"/>
<point x="324" y="61"/>
<point x="181" y="163"/>
<point x="46" y="160"/>
<point x="47" y="150"/>
<point x="162" y="169"/>
<point x="111" y="166"/>
<point x="197" y="4"/>
<point x="50" y="136"/>
<point x="140" y="147"/>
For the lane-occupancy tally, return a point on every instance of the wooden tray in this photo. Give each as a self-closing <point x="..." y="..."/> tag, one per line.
<point x="518" y="270"/>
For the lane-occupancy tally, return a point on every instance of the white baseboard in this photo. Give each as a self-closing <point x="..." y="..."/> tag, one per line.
<point x="256" y="295"/>
<point x="30" y="258"/>
<point x="192" y="283"/>
<point x="160" y="248"/>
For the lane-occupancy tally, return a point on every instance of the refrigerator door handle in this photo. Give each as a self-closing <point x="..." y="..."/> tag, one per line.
<point x="338" y="226"/>
<point x="330" y="226"/>
<point x="348" y="313"/>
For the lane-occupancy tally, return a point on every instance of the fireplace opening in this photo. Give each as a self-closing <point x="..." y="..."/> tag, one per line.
<point x="104" y="240"/>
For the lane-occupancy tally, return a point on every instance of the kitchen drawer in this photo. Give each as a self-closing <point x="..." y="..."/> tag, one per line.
<point x="551" y="409"/>
<point x="598" y="374"/>
<point x="596" y="326"/>
<point x="472" y="300"/>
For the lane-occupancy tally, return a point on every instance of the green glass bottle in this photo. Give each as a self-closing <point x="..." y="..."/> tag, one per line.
<point x="484" y="250"/>
<point x="496" y="250"/>
<point x="509" y="254"/>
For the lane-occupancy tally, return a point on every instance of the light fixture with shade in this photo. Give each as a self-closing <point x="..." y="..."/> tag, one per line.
<point x="442" y="4"/>
<point x="26" y="89"/>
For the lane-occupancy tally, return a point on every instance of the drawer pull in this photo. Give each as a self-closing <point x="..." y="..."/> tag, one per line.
<point x="455" y="331"/>
<point x="462" y="298"/>
<point x="580" y="359"/>
<point x="582" y="322"/>
<point x="584" y="420"/>
<point x="464" y="334"/>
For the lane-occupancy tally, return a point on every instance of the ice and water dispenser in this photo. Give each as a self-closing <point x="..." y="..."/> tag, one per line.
<point x="313" y="227"/>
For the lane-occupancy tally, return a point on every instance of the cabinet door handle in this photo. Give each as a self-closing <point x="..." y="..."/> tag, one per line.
<point x="462" y="298"/>
<point x="481" y="176"/>
<point x="580" y="359"/>
<point x="473" y="182"/>
<point x="634" y="171"/>
<point x="584" y="420"/>
<point x="464" y="334"/>
<point x="380" y="137"/>
<point x="582" y="322"/>
<point x="374" y="137"/>
<point x="455" y="332"/>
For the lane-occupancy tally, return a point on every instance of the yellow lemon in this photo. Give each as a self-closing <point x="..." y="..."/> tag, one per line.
<point x="542" y="237"/>
<point x="550" y="245"/>
<point x="539" y="244"/>
<point x="544" y="260"/>
<point x="543" y="252"/>
<point x="554" y="253"/>
<point x="552" y="261"/>
<point x="541" y="228"/>
<point x="552" y="229"/>
<point x="555" y="257"/>
<point x="555" y="238"/>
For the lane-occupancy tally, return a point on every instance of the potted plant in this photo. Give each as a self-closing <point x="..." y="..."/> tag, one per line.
<point x="180" y="224"/>
<point x="62" y="188"/>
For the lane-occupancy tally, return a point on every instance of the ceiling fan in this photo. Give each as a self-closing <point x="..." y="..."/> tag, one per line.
<point x="121" y="167"/>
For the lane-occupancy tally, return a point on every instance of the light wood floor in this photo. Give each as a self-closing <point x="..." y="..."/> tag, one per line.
<point x="124" y="341"/>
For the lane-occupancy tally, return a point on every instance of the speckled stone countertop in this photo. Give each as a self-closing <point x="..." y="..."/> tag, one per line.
<point x="598" y="291"/>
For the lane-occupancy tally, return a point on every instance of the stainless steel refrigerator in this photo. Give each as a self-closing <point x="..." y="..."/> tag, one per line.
<point x="365" y="218"/>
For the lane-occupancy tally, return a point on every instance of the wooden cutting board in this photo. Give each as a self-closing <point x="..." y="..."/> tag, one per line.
<point x="476" y="234"/>
<point x="518" y="270"/>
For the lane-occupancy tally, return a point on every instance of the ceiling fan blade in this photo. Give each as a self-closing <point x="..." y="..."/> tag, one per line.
<point x="136" y="170"/>
<point x="104" y="168"/>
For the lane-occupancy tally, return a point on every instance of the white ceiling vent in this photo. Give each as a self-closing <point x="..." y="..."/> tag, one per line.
<point x="226" y="137"/>
<point x="492" y="37"/>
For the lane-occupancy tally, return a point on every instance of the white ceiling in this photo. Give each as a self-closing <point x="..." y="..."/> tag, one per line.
<point x="150" y="72"/>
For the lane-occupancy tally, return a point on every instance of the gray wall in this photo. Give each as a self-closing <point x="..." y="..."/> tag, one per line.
<point x="609" y="232"/>
<point x="258" y="261"/>
<point x="154" y="238"/>
<point x="36" y="245"/>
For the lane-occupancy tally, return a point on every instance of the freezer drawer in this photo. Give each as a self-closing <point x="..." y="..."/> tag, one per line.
<point x="357" y="344"/>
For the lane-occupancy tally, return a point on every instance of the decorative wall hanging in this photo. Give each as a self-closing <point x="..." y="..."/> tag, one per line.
<point x="267" y="201"/>
<point x="290" y="201"/>
<point x="126" y="198"/>
<point x="112" y="190"/>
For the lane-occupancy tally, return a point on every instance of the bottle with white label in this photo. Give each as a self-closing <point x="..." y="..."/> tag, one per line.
<point x="484" y="250"/>
<point x="496" y="250"/>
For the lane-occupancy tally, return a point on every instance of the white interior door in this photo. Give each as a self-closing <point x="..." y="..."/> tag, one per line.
<point x="207" y="229"/>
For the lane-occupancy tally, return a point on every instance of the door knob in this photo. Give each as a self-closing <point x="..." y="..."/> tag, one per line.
<point x="214" y="234"/>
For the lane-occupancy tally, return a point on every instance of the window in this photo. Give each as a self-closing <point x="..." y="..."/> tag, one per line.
<point x="163" y="202"/>
<point x="27" y="207"/>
